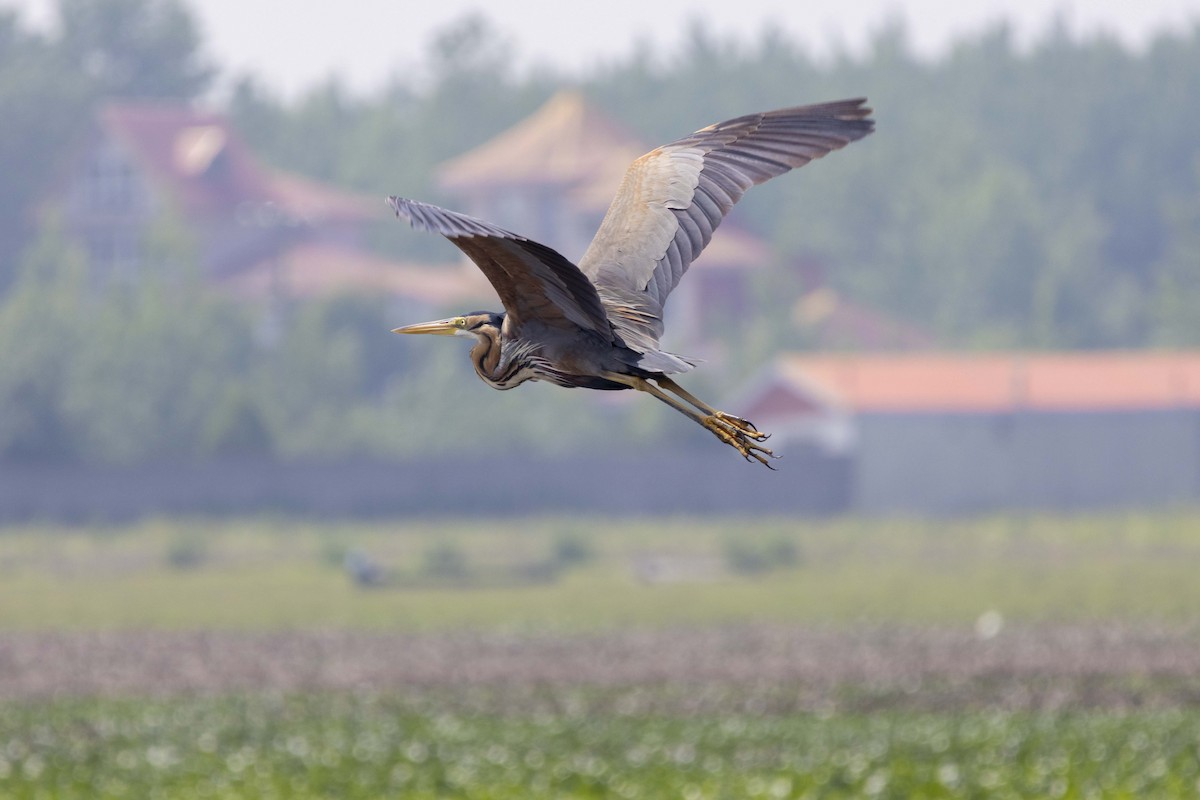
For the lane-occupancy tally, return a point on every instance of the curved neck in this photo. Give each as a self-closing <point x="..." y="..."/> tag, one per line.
<point x="485" y="355"/>
<point x="500" y="368"/>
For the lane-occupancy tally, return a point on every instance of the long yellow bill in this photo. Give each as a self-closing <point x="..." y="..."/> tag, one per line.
<point x="441" y="327"/>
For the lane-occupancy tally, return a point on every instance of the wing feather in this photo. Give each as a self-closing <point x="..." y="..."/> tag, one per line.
<point x="674" y="197"/>
<point x="533" y="281"/>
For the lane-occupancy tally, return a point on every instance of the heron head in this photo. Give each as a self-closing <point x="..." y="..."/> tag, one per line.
<point x="476" y="323"/>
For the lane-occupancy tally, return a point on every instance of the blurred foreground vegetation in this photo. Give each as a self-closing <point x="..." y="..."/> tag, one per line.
<point x="282" y="716"/>
<point x="580" y="575"/>
<point x="370" y="746"/>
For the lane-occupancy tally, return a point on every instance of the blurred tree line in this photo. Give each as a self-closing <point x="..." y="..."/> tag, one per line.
<point x="170" y="369"/>
<point x="1044" y="197"/>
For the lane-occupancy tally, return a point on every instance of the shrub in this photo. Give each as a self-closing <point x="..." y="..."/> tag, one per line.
<point x="445" y="560"/>
<point x="749" y="557"/>
<point x="571" y="549"/>
<point x="187" y="551"/>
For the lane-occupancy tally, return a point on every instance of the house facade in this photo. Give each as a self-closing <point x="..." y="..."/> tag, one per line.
<point x="148" y="161"/>
<point x="260" y="233"/>
<point x="961" y="433"/>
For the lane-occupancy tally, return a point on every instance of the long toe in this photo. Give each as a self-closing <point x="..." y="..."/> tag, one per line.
<point x="737" y="437"/>
<point x="744" y="426"/>
<point x="751" y="450"/>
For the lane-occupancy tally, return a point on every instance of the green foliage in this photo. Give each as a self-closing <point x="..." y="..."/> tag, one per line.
<point x="236" y="428"/>
<point x="444" y="560"/>
<point x="746" y="555"/>
<point x="44" y="108"/>
<point x="398" y="138"/>
<point x="134" y="48"/>
<point x="368" y="746"/>
<point x="1041" y="197"/>
<point x="40" y="321"/>
<point x="1010" y="198"/>
<point x="332" y="552"/>
<point x="571" y="548"/>
<point x="187" y="550"/>
<point x="167" y="368"/>
<point x="1136" y="570"/>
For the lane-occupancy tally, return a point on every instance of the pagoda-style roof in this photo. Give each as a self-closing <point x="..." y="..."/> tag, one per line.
<point x="567" y="143"/>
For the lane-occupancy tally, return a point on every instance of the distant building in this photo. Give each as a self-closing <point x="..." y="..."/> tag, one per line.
<point x="552" y="176"/>
<point x="958" y="433"/>
<point x="549" y="177"/>
<point x="261" y="232"/>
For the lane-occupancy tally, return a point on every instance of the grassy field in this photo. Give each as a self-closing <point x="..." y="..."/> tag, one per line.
<point x="270" y="574"/>
<point x="355" y="746"/>
<point x="1019" y="657"/>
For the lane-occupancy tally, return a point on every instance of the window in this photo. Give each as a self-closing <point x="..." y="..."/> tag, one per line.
<point x="109" y="182"/>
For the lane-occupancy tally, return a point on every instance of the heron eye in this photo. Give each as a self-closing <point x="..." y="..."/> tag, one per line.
<point x="461" y="322"/>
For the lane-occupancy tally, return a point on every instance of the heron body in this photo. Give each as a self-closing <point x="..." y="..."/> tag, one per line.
<point x="597" y="325"/>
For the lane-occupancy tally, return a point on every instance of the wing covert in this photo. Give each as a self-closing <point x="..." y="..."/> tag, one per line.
<point x="534" y="282"/>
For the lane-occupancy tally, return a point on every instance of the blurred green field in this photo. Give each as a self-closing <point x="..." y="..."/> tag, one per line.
<point x="355" y="746"/>
<point x="583" y="740"/>
<point x="512" y="574"/>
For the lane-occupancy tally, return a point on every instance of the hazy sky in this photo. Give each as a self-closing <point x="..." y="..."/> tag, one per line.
<point x="293" y="44"/>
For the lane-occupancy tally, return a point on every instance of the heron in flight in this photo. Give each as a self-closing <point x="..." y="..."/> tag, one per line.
<point x="597" y="324"/>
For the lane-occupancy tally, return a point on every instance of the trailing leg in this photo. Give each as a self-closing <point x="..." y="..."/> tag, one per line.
<point x="733" y="431"/>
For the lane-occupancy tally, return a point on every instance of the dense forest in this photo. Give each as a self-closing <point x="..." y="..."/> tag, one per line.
<point x="1032" y="197"/>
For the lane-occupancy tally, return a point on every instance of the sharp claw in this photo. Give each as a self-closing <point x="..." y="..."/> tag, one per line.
<point x="742" y="436"/>
<point x="746" y="425"/>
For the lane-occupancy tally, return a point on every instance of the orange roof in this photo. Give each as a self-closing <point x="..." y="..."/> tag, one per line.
<point x="994" y="382"/>
<point x="316" y="269"/>
<point x="205" y="165"/>
<point x="567" y="142"/>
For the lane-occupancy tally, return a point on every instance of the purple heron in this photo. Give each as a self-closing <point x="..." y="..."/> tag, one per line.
<point x="597" y="325"/>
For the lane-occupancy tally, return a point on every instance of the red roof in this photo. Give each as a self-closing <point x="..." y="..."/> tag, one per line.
<point x="201" y="161"/>
<point x="316" y="269"/>
<point x="996" y="382"/>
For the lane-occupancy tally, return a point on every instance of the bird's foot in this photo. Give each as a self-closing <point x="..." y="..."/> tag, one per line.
<point x="741" y="435"/>
<point x="744" y="425"/>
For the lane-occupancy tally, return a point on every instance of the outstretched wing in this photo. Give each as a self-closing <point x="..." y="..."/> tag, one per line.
<point x="674" y="197"/>
<point x="534" y="282"/>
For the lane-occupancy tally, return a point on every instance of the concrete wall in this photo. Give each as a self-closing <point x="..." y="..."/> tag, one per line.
<point x="963" y="463"/>
<point x="909" y="463"/>
<point x="712" y="480"/>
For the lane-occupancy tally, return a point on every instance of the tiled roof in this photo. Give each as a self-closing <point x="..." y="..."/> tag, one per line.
<point x="202" y="162"/>
<point x="316" y="269"/>
<point x="992" y="382"/>
<point x="567" y="143"/>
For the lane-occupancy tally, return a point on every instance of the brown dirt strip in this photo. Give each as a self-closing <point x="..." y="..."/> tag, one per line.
<point x="757" y="668"/>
